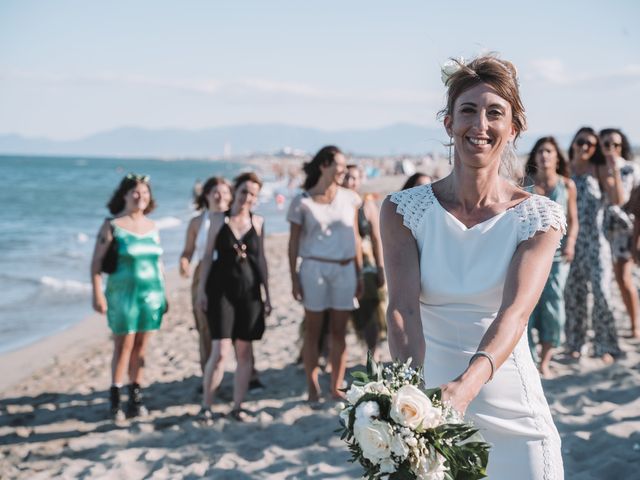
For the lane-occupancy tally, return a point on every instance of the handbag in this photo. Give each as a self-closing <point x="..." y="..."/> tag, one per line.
<point x="110" y="259"/>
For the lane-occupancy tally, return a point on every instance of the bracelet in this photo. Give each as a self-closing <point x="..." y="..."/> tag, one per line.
<point x="488" y="356"/>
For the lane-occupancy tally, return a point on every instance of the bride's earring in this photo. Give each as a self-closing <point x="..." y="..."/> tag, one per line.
<point x="450" y="149"/>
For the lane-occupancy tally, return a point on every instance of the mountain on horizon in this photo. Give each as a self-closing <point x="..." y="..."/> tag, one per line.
<point x="397" y="139"/>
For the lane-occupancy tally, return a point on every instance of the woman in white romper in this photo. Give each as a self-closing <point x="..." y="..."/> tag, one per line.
<point x="467" y="258"/>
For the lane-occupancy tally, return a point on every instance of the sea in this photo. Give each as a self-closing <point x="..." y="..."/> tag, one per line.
<point x="50" y="212"/>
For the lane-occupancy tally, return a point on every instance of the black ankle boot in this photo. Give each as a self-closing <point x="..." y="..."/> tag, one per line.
<point x="114" y="397"/>
<point x="135" y="407"/>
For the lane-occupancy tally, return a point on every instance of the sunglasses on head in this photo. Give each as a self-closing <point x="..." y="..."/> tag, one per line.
<point x="612" y="144"/>
<point x="138" y="178"/>
<point x="581" y="142"/>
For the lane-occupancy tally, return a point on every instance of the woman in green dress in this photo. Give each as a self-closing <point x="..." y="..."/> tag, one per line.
<point x="548" y="170"/>
<point x="134" y="299"/>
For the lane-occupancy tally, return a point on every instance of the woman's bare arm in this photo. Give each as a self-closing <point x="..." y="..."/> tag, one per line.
<point x="404" y="325"/>
<point x="104" y="239"/>
<point x="262" y="259"/>
<point x="526" y="277"/>
<point x="190" y="244"/>
<point x="372" y="213"/>
<point x="295" y="231"/>
<point x="572" y="221"/>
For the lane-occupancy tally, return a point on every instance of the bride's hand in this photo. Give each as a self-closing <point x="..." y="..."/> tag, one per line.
<point x="458" y="395"/>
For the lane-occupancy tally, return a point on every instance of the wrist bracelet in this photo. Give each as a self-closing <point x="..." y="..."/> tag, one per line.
<point x="488" y="356"/>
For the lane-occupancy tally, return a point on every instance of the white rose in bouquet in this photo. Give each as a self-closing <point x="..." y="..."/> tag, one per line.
<point x="374" y="439"/>
<point x="449" y="68"/>
<point x="388" y="466"/>
<point x="354" y="393"/>
<point x="376" y="387"/>
<point x="367" y="411"/>
<point x="411" y="408"/>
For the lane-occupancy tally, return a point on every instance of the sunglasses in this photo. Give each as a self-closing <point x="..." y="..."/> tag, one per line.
<point x="581" y="142"/>
<point x="138" y="178"/>
<point x="612" y="144"/>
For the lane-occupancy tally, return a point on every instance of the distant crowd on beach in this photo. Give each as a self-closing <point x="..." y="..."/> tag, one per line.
<point x="337" y="267"/>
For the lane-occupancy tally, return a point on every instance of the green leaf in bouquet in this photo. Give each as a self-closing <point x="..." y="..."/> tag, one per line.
<point x="360" y="376"/>
<point x="434" y="394"/>
<point x="403" y="473"/>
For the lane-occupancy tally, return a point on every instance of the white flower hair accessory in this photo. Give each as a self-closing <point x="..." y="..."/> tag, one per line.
<point x="449" y="68"/>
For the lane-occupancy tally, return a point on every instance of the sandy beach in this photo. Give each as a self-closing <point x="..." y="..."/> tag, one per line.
<point x="53" y="407"/>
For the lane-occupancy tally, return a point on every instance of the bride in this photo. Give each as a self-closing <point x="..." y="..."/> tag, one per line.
<point x="467" y="258"/>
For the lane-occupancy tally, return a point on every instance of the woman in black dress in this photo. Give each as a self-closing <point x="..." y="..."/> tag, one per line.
<point x="231" y="291"/>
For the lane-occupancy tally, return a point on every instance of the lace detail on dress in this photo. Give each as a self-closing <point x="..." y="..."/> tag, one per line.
<point x="538" y="214"/>
<point x="412" y="204"/>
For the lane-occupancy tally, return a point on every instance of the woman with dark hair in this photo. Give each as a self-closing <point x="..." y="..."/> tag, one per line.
<point x="215" y="196"/>
<point x="597" y="180"/>
<point x="135" y="297"/>
<point x="619" y="221"/>
<point x="324" y="234"/>
<point x="230" y="291"/>
<point x="467" y="258"/>
<point x="548" y="170"/>
<point x="416" y="179"/>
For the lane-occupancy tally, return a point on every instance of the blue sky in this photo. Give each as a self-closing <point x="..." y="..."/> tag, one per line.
<point x="72" y="68"/>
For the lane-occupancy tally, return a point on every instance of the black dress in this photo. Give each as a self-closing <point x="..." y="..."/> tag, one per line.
<point x="235" y="307"/>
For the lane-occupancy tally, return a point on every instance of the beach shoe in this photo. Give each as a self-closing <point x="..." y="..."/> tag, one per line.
<point x="255" y="385"/>
<point x="135" y="407"/>
<point x="115" y="412"/>
<point x="205" y="416"/>
<point x="240" y="415"/>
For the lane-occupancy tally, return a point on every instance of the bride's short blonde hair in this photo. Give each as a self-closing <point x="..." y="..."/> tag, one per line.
<point x="500" y="74"/>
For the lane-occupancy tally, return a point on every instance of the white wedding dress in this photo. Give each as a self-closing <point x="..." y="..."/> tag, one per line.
<point x="462" y="274"/>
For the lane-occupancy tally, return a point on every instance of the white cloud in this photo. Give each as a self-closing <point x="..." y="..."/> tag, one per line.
<point x="555" y="72"/>
<point x="253" y="87"/>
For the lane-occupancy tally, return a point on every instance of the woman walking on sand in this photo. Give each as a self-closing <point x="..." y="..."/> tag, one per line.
<point x="135" y="295"/>
<point x="230" y="292"/>
<point x="548" y="169"/>
<point x="597" y="179"/>
<point x="215" y="196"/>
<point x="324" y="234"/>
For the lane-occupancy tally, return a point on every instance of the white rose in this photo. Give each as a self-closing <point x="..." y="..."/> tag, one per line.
<point x="376" y="387"/>
<point x="367" y="411"/>
<point x="354" y="393"/>
<point x="399" y="447"/>
<point x="449" y="68"/>
<point x="411" y="408"/>
<point x="374" y="439"/>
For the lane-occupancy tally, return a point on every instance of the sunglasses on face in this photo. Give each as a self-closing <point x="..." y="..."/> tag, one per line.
<point x="581" y="142"/>
<point x="612" y="144"/>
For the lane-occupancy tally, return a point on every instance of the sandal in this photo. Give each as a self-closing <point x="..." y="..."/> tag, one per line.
<point x="205" y="416"/>
<point x="239" y="414"/>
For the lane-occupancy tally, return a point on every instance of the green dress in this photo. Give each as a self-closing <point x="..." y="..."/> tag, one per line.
<point x="135" y="291"/>
<point x="548" y="317"/>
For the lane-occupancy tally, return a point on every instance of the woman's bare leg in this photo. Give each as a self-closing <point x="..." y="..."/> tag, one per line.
<point x="244" y="359"/>
<point x="337" y="351"/>
<point x="214" y="369"/>
<point x="122" y="346"/>
<point x="310" y="352"/>
<point x="623" y="272"/>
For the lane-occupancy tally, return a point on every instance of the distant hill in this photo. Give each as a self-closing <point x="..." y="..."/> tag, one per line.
<point x="239" y="140"/>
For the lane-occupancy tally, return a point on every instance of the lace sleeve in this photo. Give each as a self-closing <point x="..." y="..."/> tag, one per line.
<point x="412" y="205"/>
<point x="539" y="214"/>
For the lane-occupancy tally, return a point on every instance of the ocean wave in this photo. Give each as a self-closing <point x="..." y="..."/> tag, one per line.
<point x="165" y="223"/>
<point x="65" y="286"/>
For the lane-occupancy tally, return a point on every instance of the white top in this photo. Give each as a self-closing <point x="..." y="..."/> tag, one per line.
<point x="462" y="276"/>
<point x="201" y="238"/>
<point x="327" y="228"/>
<point x="629" y="174"/>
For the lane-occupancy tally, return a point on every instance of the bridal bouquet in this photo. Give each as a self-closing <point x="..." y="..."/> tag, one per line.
<point x="397" y="431"/>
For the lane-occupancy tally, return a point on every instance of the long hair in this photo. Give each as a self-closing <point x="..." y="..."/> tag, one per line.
<point x="598" y="157"/>
<point x="626" y="152"/>
<point x="325" y="156"/>
<point x="201" y="201"/>
<point x="562" y="167"/>
<point x="117" y="203"/>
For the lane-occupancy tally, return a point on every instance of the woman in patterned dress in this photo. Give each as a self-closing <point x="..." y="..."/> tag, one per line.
<point x="596" y="179"/>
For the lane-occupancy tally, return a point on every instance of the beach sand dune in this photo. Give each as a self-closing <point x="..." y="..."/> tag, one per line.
<point x="54" y="424"/>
